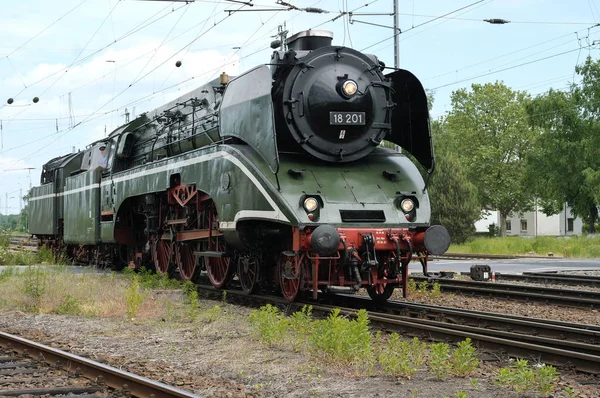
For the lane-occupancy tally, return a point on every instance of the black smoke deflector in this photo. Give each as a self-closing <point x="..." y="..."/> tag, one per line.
<point x="410" y="117"/>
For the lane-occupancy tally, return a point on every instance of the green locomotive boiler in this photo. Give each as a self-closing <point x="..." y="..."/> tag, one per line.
<point x="275" y="179"/>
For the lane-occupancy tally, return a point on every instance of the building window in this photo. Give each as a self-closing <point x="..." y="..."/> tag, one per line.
<point x="569" y="225"/>
<point x="508" y="225"/>
<point x="523" y="225"/>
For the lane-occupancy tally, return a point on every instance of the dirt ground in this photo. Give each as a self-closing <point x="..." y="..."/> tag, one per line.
<point x="217" y="356"/>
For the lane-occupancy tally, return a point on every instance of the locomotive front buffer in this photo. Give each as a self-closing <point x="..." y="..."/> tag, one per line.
<point x="374" y="258"/>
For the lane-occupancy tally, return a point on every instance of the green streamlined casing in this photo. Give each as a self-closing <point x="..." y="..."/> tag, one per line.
<point x="357" y="186"/>
<point x="42" y="211"/>
<point x="82" y="208"/>
<point x="240" y="191"/>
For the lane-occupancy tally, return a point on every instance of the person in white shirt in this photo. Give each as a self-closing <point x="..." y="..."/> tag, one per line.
<point x="103" y="157"/>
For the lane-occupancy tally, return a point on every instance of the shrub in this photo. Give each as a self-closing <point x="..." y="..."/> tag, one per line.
<point x="341" y="339"/>
<point x="269" y="323"/>
<point x="464" y="359"/>
<point x="521" y="377"/>
<point x="35" y="285"/>
<point x="69" y="305"/>
<point x="439" y="360"/>
<point x="133" y="297"/>
<point x="300" y="326"/>
<point x="402" y="358"/>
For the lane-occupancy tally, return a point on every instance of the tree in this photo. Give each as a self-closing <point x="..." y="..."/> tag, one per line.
<point x="489" y="132"/>
<point x="453" y="197"/>
<point x="565" y="165"/>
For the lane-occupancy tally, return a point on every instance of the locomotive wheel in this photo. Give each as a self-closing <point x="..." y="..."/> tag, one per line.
<point x="290" y="275"/>
<point x="161" y="255"/>
<point x="219" y="269"/>
<point x="248" y="273"/>
<point x="186" y="262"/>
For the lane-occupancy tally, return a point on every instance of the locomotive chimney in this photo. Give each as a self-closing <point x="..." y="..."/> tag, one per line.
<point x="309" y="40"/>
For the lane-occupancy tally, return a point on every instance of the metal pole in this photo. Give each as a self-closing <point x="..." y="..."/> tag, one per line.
<point x="396" y="41"/>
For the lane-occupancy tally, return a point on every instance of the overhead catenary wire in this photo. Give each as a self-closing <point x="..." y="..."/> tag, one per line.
<point x="504" y="55"/>
<point x="505" y="69"/>
<point x="412" y="33"/>
<point x="136" y="29"/>
<point x="423" y="23"/>
<point x="82" y="50"/>
<point x="45" y="29"/>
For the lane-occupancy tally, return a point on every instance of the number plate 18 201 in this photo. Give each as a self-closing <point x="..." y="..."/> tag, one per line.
<point x="347" y="118"/>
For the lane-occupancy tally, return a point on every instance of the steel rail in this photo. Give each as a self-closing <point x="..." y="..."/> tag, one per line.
<point x="135" y="385"/>
<point x="573" y="298"/>
<point x="575" y="280"/>
<point x="556" y="333"/>
<point x="424" y="308"/>
<point x="569" y="354"/>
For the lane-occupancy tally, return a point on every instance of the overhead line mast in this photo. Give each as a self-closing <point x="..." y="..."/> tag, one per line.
<point x="396" y="38"/>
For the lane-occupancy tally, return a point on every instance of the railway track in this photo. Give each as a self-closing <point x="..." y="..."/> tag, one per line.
<point x="30" y="368"/>
<point x="559" y="343"/>
<point x="551" y="278"/>
<point x="573" y="298"/>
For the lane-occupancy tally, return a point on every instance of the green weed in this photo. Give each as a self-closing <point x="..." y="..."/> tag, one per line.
<point x="35" y="285"/>
<point x="213" y="314"/>
<point x="521" y="377"/>
<point x="436" y="290"/>
<point x="69" y="306"/>
<point x="464" y="359"/>
<point x="402" y="358"/>
<point x="133" y="297"/>
<point x="269" y="324"/>
<point x="423" y="287"/>
<point x="341" y="339"/>
<point x="439" y="360"/>
<point x="300" y="327"/>
<point x="191" y="299"/>
<point x="412" y="286"/>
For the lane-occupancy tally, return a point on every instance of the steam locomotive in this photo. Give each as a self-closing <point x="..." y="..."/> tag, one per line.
<point x="274" y="179"/>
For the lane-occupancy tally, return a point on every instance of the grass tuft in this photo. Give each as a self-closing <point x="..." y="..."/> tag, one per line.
<point x="570" y="246"/>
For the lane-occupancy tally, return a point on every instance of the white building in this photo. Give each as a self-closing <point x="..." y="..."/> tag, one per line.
<point x="534" y="223"/>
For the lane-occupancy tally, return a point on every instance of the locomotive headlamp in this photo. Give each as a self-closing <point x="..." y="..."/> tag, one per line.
<point x="310" y="204"/>
<point x="349" y="88"/>
<point x="407" y="205"/>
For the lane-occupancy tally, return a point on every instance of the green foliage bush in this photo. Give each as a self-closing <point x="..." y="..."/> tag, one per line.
<point x="402" y="358"/>
<point x="35" y="285"/>
<point x="521" y="377"/>
<point x="191" y="299"/>
<point x="341" y="339"/>
<point x="464" y="359"/>
<point x="439" y="360"/>
<point x="69" y="306"/>
<point x="269" y="323"/>
<point x="150" y="280"/>
<point x="300" y="327"/>
<point x="133" y="297"/>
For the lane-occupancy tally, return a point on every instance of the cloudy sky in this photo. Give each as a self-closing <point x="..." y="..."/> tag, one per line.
<point x="91" y="61"/>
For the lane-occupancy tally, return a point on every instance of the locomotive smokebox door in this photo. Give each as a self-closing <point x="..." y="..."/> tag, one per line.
<point x="481" y="272"/>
